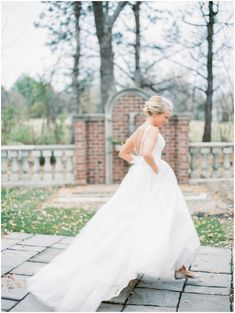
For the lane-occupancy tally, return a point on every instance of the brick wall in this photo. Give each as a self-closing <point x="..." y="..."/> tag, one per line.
<point x="90" y="141"/>
<point x="90" y="148"/>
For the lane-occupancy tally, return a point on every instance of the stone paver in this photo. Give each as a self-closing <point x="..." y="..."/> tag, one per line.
<point x="5" y="269"/>
<point x="27" y="248"/>
<point x="147" y="308"/>
<point x="215" y="251"/>
<point x="31" y="304"/>
<point x="207" y="290"/>
<point x="151" y="282"/>
<point x="148" y="296"/>
<point x="66" y="240"/>
<point x="210" y="263"/>
<point x="14" y="287"/>
<point x="8" y="304"/>
<point x="191" y="302"/>
<point x="7" y="243"/>
<point x="17" y="235"/>
<point x="46" y="256"/>
<point x="110" y="307"/>
<point x="42" y="240"/>
<point x="28" y="268"/>
<point x="59" y="245"/>
<point x="210" y="280"/>
<point x="211" y="292"/>
<point x="12" y="258"/>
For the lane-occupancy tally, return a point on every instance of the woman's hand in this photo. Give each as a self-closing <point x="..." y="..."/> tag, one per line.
<point x="134" y="157"/>
<point x="156" y="170"/>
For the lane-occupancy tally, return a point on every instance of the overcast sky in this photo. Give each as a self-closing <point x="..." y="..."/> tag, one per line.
<point x="23" y="46"/>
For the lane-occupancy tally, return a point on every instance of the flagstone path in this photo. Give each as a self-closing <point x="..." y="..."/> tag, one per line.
<point x="24" y="254"/>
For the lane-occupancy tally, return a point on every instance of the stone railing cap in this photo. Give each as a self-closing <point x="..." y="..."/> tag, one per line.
<point x="89" y="116"/>
<point x="181" y="115"/>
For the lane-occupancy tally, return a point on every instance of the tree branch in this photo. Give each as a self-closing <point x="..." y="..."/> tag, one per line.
<point x="124" y="71"/>
<point x="183" y="19"/>
<point x="189" y="68"/>
<point x="117" y="11"/>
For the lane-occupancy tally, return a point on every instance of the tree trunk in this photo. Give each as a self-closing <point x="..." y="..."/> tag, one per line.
<point x="75" y="71"/>
<point x="137" y="75"/>
<point x="104" y="25"/>
<point x="209" y="91"/>
<point x="106" y="68"/>
<point x="76" y="105"/>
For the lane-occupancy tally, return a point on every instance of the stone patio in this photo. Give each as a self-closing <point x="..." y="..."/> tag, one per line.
<point x="93" y="196"/>
<point x="203" y="197"/>
<point x="24" y="254"/>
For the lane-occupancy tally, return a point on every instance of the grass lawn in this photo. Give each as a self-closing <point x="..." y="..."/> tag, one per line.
<point x="196" y="128"/>
<point x="214" y="231"/>
<point x="22" y="212"/>
<point x="221" y="131"/>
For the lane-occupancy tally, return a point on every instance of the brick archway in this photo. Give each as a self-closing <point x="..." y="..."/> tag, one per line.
<point x="121" y="111"/>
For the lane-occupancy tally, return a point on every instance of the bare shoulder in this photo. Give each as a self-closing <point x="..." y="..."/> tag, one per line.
<point x="152" y="131"/>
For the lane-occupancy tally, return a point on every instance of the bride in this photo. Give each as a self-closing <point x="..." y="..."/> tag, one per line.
<point x="144" y="228"/>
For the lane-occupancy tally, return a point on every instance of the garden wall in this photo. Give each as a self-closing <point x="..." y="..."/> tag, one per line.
<point x="97" y="160"/>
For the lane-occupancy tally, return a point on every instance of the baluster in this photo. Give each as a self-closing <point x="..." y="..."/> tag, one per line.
<point x="14" y="177"/>
<point x="59" y="177"/>
<point x="215" y="164"/>
<point x="25" y="166"/>
<point x="204" y="155"/>
<point x="4" y="169"/>
<point x="47" y="166"/>
<point x="193" y="152"/>
<point x="36" y="165"/>
<point x="227" y="171"/>
<point x="69" y="165"/>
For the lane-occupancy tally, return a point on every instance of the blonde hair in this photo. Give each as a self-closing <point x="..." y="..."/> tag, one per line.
<point x="157" y="104"/>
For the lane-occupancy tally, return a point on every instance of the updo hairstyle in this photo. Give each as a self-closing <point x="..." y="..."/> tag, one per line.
<point x="157" y="104"/>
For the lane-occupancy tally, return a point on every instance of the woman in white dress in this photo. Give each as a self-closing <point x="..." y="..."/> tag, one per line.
<point x="144" y="228"/>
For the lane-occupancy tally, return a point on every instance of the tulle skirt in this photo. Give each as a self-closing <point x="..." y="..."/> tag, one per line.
<point x="145" y="227"/>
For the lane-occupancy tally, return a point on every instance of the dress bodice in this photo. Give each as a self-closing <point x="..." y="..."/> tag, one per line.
<point x="158" y="147"/>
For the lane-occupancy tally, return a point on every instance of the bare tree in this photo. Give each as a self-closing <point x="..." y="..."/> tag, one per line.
<point x="136" y="65"/>
<point x="137" y="75"/>
<point x="77" y="7"/>
<point x="62" y="20"/>
<point x="106" y="13"/>
<point x="213" y="11"/>
<point x="203" y="53"/>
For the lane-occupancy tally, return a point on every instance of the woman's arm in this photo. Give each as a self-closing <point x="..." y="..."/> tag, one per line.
<point x="127" y="157"/>
<point x="126" y="151"/>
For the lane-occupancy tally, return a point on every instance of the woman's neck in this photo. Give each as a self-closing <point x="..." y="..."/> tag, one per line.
<point x="149" y="122"/>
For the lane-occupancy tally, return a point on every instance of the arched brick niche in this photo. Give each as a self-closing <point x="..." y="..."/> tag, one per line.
<point x="124" y="109"/>
<point x="97" y="160"/>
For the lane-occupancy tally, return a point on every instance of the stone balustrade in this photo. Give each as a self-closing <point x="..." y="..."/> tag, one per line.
<point x="24" y="165"/>
<point x="211" y="161"/>
<point x="40" y="165"/>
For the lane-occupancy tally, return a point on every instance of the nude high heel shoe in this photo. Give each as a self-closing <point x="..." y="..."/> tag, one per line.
<point x="184" y="273"/>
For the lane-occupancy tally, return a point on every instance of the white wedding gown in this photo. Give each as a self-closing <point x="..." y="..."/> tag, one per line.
<point x="145" y="227"/>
